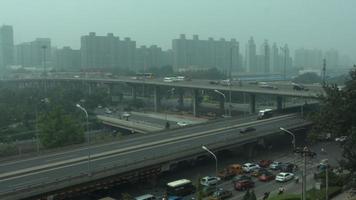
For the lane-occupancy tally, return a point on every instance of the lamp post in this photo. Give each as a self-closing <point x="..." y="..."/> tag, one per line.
<point x="87" y="127"/>
<point x="223" y="95"/>
<point x="216" y="163"/>
<point x="290" y="133"/>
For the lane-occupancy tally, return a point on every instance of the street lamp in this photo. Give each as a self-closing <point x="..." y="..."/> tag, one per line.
<point x="87" y="127"/>
<point x="216" y="163"/>
<point x="223" y="95"/>
<point x="290" y="133"/>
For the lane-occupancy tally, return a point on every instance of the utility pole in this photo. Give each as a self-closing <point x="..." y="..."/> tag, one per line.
<point x="44" y="47"/>
<point x="324" y="72"/>
<point x="230" y="79"/>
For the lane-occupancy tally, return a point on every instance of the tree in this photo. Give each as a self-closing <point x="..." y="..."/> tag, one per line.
<point x="247" y="195"/>
<point x="252" y="195"/>
<point x="309" y="77"/>
<point x="199" y="192"/>
<point x="57" y="128"/>
<point x="337" y="116"/>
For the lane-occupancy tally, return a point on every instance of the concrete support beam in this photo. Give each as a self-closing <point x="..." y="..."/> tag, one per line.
<point x="252" y="103"/>
<point x="195" y="101"/>
<point x="157" y="98"/>
<point x="279" y="103"/>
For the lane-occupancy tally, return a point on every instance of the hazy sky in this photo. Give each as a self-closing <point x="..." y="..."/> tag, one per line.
<point x="300" y="23"/>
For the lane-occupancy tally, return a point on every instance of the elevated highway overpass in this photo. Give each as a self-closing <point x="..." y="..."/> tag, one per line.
<point x="53" y="174"/>
<point x="156" y="86"/>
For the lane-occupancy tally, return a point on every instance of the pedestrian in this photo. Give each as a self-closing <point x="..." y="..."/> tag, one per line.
<point x="280" y="190"/>
<point x="265" y="196"/>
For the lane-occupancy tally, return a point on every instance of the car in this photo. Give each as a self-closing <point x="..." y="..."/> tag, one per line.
<point x="324" y="164"/>
<point x="209" y="180"/>
<point x="108" y="111"/>
<point x="284" y="177"/>
<point x="244" y="185"/>
<point x="288" y="167"/>
<point x="221" y="194"/>
<point x="268" y="176"/>
<point x="258" y="172"/>
<point x="248" y="129"/>
<point x="265" y="163"/>
<point x="214" y="82"/>
<point x="226" y="174"/>
<point x="249" y="167"/>
<point x="182" y="123"/>
<point x="240" y="178"/>
<point x="275" y="165"/>
<point x="341" y="139"/>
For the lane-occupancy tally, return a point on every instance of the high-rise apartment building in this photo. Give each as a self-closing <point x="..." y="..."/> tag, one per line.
<point x="332" y="58"/>
<point x="196" y="53"/>
<point x="6" y="46"/>
<point x="153" y="56"/>
<point x="107" y="52"/>
<point x="66" y="58"/>
<point x="34" y="54"/>
<point x="308" y="58"/>
<point x="251" y="57"/>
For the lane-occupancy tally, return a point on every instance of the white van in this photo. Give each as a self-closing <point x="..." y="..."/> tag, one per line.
<point x="146" y="197"/>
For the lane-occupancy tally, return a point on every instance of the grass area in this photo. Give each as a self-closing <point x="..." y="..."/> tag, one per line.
<point x="285" y="197"/>
<point x="312" y="194"/>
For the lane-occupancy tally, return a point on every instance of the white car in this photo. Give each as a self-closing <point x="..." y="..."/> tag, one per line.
<point x="341" y="139"/>
<point x="275" y="165"/>
<point x="284" y="176"/>
<point x="108" y="111"/>
<point x="182" y="123"/>
<point x="248" y="167"/>
<point x="209" y="180"/>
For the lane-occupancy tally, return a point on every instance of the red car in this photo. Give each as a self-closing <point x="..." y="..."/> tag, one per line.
<point x="265" y="163"/>
<point x="244" y="185"/>
<point x="266" y="177"/>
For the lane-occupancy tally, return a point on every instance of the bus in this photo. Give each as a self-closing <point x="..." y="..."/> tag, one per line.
<point x="143" y="76"/>
<point x="182" y="187"/>
<point x="264" y="114"/>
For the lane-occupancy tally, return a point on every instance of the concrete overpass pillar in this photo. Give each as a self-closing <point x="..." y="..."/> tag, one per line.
<point x="157" y="98"/>
<point x="180" y="98"/>
<point x="195" y="101"/>
<point x="279" y="103"/>
<point x="222" y="104"/>
<point x="134" y="92"/>
<point x="252" y="103"/>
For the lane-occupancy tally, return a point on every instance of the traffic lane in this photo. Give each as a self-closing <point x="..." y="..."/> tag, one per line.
<point x="86" y="152"/>
<point x="140" y="154"/>
<point x="23" y="164"/>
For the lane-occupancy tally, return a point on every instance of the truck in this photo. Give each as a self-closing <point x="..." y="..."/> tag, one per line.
<point x="265" y="113"/>
<point x="230" y="171"/>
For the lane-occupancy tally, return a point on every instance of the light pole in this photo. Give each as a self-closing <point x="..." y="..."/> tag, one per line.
<point x="87" y="126"/>
<point x="290" y="133"/>
<point x="216" y="163"/>
<point x="223" y="95"/>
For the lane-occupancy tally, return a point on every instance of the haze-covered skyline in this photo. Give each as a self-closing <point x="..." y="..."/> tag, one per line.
<point x="323" y="24"/>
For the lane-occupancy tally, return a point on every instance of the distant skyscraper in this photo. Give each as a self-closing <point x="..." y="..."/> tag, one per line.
<point x="6" y="46"/>
<point x="266" y="53"/>
<point x="195" y="53"/>
<point x="251" y="58"/>
<point x="308" y="58"/>
<point x="275" y="63"/>
<point x="107" y="52"/>
<point x="332" y="58"/>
